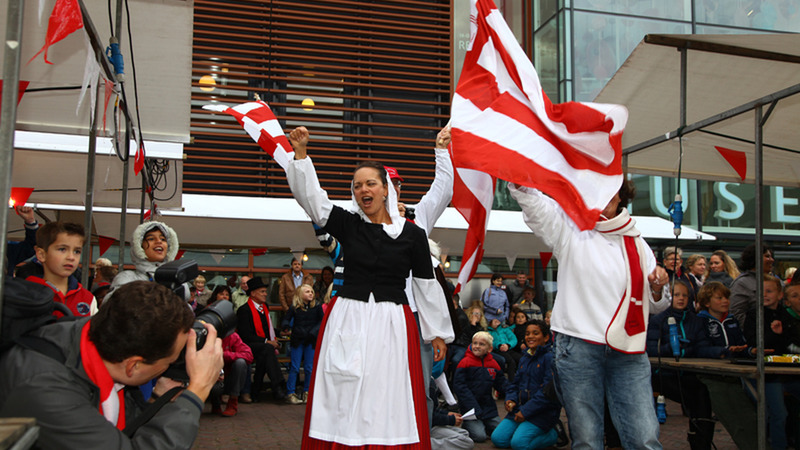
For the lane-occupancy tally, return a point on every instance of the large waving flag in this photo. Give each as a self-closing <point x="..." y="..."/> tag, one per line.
<point x="504" y="125"/>
<point x="262" y="125"/>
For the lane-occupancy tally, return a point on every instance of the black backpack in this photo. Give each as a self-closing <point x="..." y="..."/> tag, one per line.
<point x="28" y="306"/>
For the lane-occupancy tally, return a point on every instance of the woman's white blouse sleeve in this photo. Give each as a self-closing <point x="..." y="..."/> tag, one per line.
<point x="305" y="187"/>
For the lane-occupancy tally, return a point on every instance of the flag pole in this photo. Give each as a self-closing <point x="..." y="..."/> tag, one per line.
<point x="8" y="118"/>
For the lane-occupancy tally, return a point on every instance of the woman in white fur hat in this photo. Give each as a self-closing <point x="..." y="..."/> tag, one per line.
<point x="152" y="245"/>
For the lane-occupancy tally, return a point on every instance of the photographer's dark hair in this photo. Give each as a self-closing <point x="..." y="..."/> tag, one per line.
<point x="748" y="260"/>
<point x="496" y="276"/>
<point x="142" y="318"/>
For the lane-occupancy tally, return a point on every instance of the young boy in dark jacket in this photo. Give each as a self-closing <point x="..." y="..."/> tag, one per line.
<point x="532" y="417"/>
<point x="475" y="377"/>
<point x="722" y="329"/>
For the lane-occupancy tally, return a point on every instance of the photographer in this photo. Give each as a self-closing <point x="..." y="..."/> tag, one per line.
<point x="84" y="402"/>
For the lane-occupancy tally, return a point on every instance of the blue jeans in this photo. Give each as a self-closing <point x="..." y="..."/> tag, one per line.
<point x="586" y="375"/>
<point x="479" y="429"/>
<point x="297" y="353"/>
<point x="522" y="436"/>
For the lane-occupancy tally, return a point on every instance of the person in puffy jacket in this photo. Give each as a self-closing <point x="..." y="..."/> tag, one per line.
<point x="532" y="416"/>
<point x="504" y="340"/>
<point x="475" y="377"/>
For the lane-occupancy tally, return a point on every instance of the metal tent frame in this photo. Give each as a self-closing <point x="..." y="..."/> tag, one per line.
<point x="739" y="50"/>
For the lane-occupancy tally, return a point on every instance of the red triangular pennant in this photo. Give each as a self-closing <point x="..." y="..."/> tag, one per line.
<point x="19" y="196"/>
<point x="109" y="92"/>
<point x="180" y="254"/>
<point x="259" y="251"/>
<point x="737" y="159"/>
<point x="105" y="243"/>
<point x="138" y="162"/>
<point x="23" y="85"/>
<point x="545" y="257"/>
<point x="64" y="20"/>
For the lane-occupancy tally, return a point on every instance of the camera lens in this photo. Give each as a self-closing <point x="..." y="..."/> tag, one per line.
<point x="220" y="315"/>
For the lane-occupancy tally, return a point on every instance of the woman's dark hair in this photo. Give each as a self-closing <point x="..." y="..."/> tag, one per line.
<point x="217" y="290"/>
<point x="748" y="261"/>
<point x="142" y="318"/>
<point x="327" y="269"/>
<point x="372" y="164"/>
<point x="626" y="193"/>
<point x="543" y="326"/>
<point x="496" y="276"/>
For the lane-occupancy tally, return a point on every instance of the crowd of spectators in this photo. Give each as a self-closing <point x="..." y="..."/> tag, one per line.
<point x="503" y="348"/>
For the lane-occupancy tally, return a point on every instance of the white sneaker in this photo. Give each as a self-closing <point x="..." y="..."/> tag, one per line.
<point x="305" y="397"/>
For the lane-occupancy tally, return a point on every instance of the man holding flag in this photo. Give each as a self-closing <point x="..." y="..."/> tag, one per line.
<point x="563" y="165"/>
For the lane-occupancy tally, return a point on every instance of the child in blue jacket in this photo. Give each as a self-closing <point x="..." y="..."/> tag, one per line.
<point x="679" y="386"/>
<point x="532" y="417"/>
<point x="722" y="329"/>
<point x="475" y="376"/>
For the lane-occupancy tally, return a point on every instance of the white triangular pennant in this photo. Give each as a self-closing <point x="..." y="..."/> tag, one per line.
<point x="217" y="257"/>
<point x="41" y="11"/>
<point x="511" y="260"/>
<point x="91" y="74"/>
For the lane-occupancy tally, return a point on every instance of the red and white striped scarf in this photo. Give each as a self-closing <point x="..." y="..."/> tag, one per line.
<point x="627" y="331"/>
<point x="112" y="395"/>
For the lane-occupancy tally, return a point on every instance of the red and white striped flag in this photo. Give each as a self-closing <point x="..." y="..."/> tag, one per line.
<point x="261" y="124"/>
<point x="505" y="126"/>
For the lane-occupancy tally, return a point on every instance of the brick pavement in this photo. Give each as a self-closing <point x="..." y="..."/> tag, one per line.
<point x="271" y="425"/>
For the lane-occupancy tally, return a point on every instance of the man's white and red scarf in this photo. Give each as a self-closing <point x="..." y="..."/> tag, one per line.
<point x="112" y="395"/>
<point x="627" y="331"/>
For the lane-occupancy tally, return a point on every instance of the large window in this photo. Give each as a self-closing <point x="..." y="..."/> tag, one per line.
<point x="371" y="80"/>
<point x="777" y="15"/>
<point x="603" y="42"/>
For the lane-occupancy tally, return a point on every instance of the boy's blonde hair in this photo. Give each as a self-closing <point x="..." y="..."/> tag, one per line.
<point x="774" y="280"/>
<point x="485" y="336"/>
<point x="298" y="302"/>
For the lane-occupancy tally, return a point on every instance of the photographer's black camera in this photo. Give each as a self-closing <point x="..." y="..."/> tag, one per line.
<point x="220" y="315"/>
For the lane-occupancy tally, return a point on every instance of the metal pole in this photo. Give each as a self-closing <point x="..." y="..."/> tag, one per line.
<point x="761" y="405"/>
<point x="684" y="77"/>
<point x="125" y="164"/>
<point x="8" y="118"/>
<point x="86" y="260"/>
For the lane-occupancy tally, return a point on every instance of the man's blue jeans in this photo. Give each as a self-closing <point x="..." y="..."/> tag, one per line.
<point x="586" y="375"/>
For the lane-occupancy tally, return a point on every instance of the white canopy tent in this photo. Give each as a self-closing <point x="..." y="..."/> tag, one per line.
<point x="688" y="94"/>
<point x="728" y="75"/>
